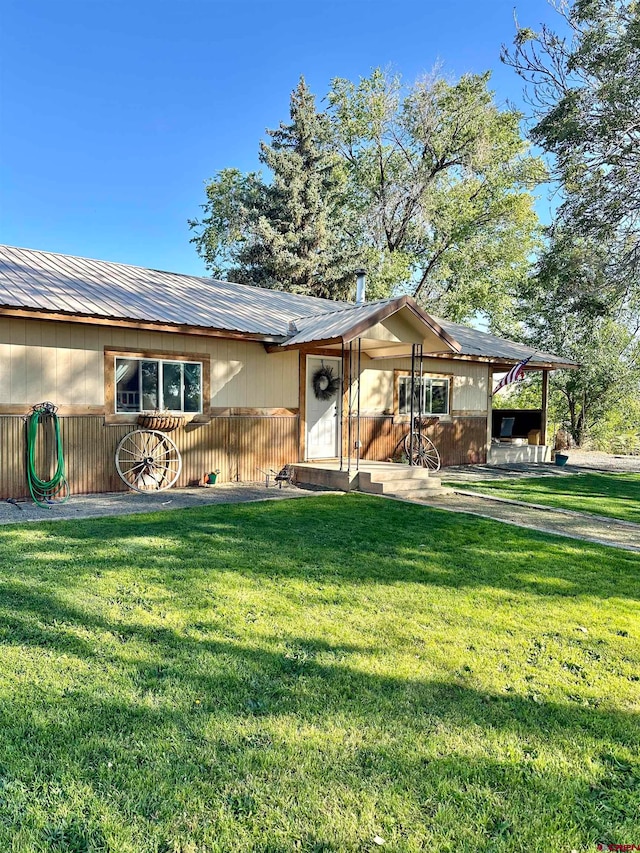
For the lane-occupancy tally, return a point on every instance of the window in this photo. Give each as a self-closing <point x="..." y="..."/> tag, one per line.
<point x="435" y="396"/>
<point x="148" y="385"/>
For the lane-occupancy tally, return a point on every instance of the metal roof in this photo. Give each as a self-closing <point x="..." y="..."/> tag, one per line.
<point x="80" y="287"/>
<point x="332" y="325"/>
<point x="353" y="321"/>
<point x="482" y="344"/>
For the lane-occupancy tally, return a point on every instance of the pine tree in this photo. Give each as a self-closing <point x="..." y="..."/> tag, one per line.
<point x="299" y="239"/>
<point x="294" y="232"/>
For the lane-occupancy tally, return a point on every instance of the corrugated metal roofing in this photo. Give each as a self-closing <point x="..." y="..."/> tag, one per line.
<point x="334" y="324"/>
<point x="49" y="282"/>
<point x="474" y="342"/>
<point x="62" y="283"/>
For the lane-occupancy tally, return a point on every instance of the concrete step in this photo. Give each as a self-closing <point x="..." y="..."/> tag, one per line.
<point x="396" y="486"/>
<point x="403" y="472"/>
<point x="411" y="485"/>
<point x="378" y="482"/>
<point x="365" y="485"/>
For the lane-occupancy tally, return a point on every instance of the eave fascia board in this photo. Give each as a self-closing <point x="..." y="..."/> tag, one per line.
<point x="127" y="323"/>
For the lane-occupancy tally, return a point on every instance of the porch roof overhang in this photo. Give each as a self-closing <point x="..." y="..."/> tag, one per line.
<point x="385" y="329"/>
<point x="390" y="328"/>
<point x="502" y="353"/>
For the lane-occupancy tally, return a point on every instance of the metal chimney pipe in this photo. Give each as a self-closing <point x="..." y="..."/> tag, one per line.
<point x="361" y="285"/>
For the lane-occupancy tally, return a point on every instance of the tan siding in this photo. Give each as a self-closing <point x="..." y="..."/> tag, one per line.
<point x="396" y="328"/>
<point x="77" y="379"/>
<point x="469" y="383"/>
<point x="18" y="383"/>
<point x="5" y="373"/>
<point x="470" y="387"/>
<point x="63" y="362"/>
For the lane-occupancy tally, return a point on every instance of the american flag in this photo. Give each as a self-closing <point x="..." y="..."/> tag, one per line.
<point x="514" y="375"/>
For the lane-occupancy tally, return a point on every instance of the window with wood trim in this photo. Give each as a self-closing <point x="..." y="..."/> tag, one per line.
<point x="149" y="385"/>
<point x="430" y="395"/>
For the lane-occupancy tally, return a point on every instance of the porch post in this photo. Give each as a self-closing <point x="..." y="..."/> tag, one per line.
<point x="302" y="406"/>
<point x="350" y="406"/>
<point x="489" y="412"/>
<point x="412" y="390"/>
<point x="545" y="405"/>
<point x="340" y="412"/>
<point x="358" y="407"/>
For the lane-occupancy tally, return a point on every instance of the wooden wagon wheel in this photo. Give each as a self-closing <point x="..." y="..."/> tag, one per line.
<point x="148" y="461"/>
<point x="422" y="451"/>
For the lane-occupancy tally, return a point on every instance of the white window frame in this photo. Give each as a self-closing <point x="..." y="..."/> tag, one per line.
<point x="426" y="380"/>
<point x="160" y="362"/>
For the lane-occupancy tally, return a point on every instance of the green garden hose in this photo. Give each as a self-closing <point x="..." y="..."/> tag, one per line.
<point x="55" y="490"/>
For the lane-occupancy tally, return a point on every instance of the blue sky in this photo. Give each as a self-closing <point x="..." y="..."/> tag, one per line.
<point x="115" y="112"/>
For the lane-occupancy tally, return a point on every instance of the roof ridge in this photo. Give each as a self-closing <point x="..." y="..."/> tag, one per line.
<point x="104" y="261"/>
<point x="349" y="307"/>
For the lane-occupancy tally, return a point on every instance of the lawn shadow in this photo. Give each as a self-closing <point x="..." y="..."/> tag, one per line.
<point x="232" y="725"/>
<point x="355" y="538"/>
<point x="161" y="712"/>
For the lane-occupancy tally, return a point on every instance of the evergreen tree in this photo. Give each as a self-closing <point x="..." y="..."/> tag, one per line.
<point x="292" y="233"/>
<point x="426" y="187"/>
<point x="297" y="238"/>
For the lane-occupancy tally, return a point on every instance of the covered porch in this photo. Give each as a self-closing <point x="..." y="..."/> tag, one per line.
<point x="520" y="435"/>
<point x="348" y="384"/>
<point x="374" y="376"/>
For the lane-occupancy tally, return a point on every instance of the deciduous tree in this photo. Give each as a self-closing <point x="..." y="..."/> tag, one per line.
<point x="584" y="87"/>
<point x="585" y="91"/>
<point x="441" y="179"/>
<point x="428" y="188"/>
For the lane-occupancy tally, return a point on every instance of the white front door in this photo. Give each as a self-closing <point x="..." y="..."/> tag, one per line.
<point x="323" y="416"/>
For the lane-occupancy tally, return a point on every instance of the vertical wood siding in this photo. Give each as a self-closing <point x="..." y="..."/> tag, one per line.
<point x="459" y="442"/>
<point x="238" y="446"/>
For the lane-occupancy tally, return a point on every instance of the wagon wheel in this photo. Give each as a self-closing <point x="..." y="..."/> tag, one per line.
<point x="148" y="461"/>
<point x="422" y="451"/>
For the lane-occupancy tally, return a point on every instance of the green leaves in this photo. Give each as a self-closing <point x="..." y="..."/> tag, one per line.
<point x="585" y="299"/>
<point x="426" y="186"/>
<point x="586" y="93"/>
<point x="291" y="232"/>
<point x="441" y="180"/>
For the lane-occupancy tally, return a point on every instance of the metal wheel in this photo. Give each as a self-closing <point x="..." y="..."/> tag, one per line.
<point x="148" y="461"/>
<point x="422" y="451"/>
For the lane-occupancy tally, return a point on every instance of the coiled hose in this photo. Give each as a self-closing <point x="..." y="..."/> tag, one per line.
<point x="55" y="490"/>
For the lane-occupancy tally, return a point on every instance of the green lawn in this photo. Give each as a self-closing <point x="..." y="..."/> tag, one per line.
<point x="614" y="495"/>
<point x="307" y="675"/>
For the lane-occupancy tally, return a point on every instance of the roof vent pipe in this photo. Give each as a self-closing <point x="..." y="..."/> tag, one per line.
<point x="361" y="284"/>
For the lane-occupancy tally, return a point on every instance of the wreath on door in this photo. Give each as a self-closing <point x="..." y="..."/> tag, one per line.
<point x="325" y="384"/>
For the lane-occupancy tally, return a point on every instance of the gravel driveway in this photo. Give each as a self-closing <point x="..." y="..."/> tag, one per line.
<point x="595" y="460"/>
<point x="127" y="503"/>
